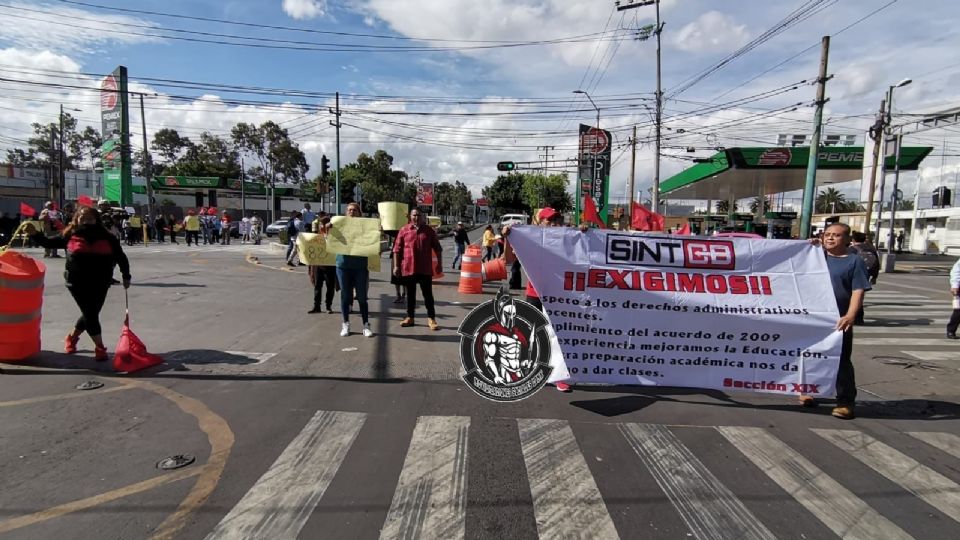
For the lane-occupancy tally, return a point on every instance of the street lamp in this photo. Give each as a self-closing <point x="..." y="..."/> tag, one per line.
<point x="896" y="174"/>
<point x="593" y="168"/>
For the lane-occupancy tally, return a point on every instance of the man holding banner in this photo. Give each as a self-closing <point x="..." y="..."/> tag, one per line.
<point x="321" y="275"/>
<point x="413" y="261"/>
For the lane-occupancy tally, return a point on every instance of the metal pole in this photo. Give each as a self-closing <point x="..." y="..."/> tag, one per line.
<point x="53" y="182"/>
<point x="243" y="191"/>
<point x="337" y="211"/>
<point x="62" y="177"/>
<point x="883" y="160"/>
<point x="893" y="199"/>
<point x="633" y="173"/>
<point x="811" y="184"/>
<point x="878" y="143"/>
<point x="147" y="162"/>
<point x="655" y="199"/>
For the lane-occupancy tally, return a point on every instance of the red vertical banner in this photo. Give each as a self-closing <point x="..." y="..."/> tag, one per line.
<point x="424" y="194"/>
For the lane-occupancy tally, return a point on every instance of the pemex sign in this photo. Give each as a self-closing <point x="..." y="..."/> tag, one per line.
<point x="115" y="126"/>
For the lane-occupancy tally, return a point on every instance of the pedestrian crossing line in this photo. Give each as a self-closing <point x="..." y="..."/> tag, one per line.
<point x="894" y="296"/>
<point x="903" y="342"/>
<point x="281" y="501"/>
<point x="840" y="510"/>
<point x="945" y="442"/>
<point x="705" y="504"/>
<point x="430" y="498"/>
<point x="912" y="329"/>
<point x="906" y="311"/>
<point x="566" y="500"/>
<point x="934" y="356"/>
<point x="935" y="489"/>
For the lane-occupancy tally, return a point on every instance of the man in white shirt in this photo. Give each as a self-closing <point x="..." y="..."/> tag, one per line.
<point x="308" y="217"/>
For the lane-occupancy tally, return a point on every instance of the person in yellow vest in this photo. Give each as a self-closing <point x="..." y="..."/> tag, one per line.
<point x="135" y="226"/>
<point x="191" y="224"/>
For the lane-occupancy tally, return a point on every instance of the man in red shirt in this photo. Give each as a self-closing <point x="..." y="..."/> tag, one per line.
<point x="413" y="263"/>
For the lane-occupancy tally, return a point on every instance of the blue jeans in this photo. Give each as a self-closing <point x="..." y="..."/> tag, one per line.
<point x="351" y="280"/>
<point x="460" y="248"/>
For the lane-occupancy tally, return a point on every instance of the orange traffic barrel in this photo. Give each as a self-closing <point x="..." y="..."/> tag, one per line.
<point x="471" y="271"/>
<point x="21" y="300"/>
<point x="494" y="270"/>
<point x="437" y="271"/>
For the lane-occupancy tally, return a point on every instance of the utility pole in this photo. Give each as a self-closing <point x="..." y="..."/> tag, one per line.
<point x="633" y="171"/>
<point x="336" y="112"/>
<point x="62" y="177"/>
<point x="53" y="179"/>
<point x="877" y="134"/>
<point x="243" y="190"/>
<point x="147" y="162"/>
<point x="893" y="201"/>
<point x="811" y="184"/>
<point x="658" y="95"/>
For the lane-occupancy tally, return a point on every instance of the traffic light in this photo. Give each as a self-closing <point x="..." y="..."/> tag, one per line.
<point x="506" y="166"/>
<point x="324" y="166"/>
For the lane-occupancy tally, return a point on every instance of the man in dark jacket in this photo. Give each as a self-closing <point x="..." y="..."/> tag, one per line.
<point x="460" y="240"/>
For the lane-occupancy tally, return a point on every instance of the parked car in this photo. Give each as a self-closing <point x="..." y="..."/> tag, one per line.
<point x="274" y="228"/>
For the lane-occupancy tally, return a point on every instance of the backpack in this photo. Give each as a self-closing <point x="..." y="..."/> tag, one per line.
<point x="869" y="258"/>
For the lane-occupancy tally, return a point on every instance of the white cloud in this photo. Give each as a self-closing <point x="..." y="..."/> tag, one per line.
<point x="305" y="9"/>
<point x="65" y="29"/>
<point x="712" y="32"/>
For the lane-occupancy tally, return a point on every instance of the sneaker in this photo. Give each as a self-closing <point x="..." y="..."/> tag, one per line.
<point x="329" y="310"/>
<point x="406" y="323"/>
<point x="70" y="344"/>
<point x="843" y="412"/>
<point x="952" y="335"/>
<point x="367" y="332"/>
<point x="807" y="401"/>
<point x="433" y="324"/>
<point x="100" y="354"/>
<point x="345" y="330"/>
<point x="315" y="310"/>
<point x="563" y="387"/>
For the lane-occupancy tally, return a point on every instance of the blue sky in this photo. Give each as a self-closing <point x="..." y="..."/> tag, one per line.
<point x="905" y="38"/>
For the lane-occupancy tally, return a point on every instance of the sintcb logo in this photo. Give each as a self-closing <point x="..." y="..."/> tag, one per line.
<point x="505" y="349"/>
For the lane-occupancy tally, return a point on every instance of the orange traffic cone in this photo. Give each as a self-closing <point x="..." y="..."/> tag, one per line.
<point x="471" y="268"/>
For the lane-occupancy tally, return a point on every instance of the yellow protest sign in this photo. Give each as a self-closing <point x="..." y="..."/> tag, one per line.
<point x="354" y="236"/>
<point x="312" y="249"/>
<point x="434" y="221"/>
<point x="393" y="215"/>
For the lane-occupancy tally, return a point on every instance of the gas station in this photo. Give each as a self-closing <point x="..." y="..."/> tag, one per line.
<point x="740" y="173"/>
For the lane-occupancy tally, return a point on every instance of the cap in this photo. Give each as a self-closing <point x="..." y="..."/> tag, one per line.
<point x="547" y="214"/>
<point x="459" y="223"/>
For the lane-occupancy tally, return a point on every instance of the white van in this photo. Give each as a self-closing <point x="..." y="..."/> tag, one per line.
<point x="514" y="219"/>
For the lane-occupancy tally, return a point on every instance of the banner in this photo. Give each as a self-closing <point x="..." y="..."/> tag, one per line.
<point x="354" y="236"/>
<point x="115" y="150"/>
<point x="594" y="169"/>
<point x="731" y="314"/>
<point x="393" y="215"/>
<point x="424" y="194"/>
<point x="312" y="250"/>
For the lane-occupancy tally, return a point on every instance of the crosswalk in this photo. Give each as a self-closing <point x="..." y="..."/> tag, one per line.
<point x="235" y="247"/>
<point x="904" y="322"/>
<point x="566" y="484"/>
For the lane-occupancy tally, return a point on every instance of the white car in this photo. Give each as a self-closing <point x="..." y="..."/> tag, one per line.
<point x="514" y="219"/>
<point x="277" y="226"/>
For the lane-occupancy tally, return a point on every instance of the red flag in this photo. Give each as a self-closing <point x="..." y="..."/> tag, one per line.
<point x="590" y="214"/>
<point x="685" y="230"/>
<point x="656" y="221"/>
<point x="642" y="219"/>
<point x="26" y="210"/>
<point x="84" y="200"/>
<point x="131" y="354"/>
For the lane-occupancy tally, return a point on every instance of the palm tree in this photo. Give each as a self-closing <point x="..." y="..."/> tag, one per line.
<point x="830" y="201"/>
<point x="723" y="207"/>
<point x="760" y="205"/>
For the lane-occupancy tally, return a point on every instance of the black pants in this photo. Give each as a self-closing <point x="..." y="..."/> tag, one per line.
<point x="326" y="275"/>
<point x="195" y="235"/>
<point x="90" y="299"/>
<point x="516" y="277"/>
<point x="846" y="382"/>
<point x="160" y="234"/>
<point x="954" y="322"/>
<point x="426" y="287"/>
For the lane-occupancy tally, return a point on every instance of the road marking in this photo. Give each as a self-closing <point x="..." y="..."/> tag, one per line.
<point x="912" y="329"/>
<point x="913" y="287"/>
<point x="946" y="442"/>
<point x="705" y="504"/>
<point x="890" y="311"/>
<point x="937" y="356"/>
<point x="260" y="357"/>
<point x="566" y="500"/>
<point x="430" y="499"/>
<point x="840" y="510"/>
<point x="937" y="490"/>
<point x="894" y="296"/>
<point x="90" y="502"/>
<point x="904" y="342"/>
<point x="58" y="397"/>
<point x="281" y="501"/>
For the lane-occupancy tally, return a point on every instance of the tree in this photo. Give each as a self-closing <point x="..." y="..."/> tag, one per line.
<point x="760" y="205"/>
<point x="443" y="198"/>
<point x="379" y="181"/>
<point x="831" y="201"/>
<point x="505" y="195"/>
<point x="43" y="148"/>
<point x="540" y="191"/>
<point x="460" y="198"/>
<point x="86" y="145"/>
<point x="169" y="146"/>
<point x="278" y="157"/>
<point x="723" y="207"/>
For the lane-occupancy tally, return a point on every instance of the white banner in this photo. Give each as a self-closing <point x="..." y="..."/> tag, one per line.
<point x="728" y="314"/>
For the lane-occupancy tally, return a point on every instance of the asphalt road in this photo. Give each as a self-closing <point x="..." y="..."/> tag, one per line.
<point x="298" y="433"/>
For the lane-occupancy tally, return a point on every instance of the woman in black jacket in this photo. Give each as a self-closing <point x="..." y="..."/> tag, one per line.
<point x="92" y="252"/>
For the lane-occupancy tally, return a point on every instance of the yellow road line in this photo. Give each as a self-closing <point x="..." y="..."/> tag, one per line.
<point x="58" y="397"/>
<point x="96" y="500"/>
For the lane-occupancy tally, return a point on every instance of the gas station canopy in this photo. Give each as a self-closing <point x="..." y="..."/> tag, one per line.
<point x="740" y="173"/>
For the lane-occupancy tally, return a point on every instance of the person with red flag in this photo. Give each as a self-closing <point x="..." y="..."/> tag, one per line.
<point x="590" y="214"/>
<point x="26" y="210"/>
<point x="642" y="219"/>
<point x="92" y="253"/>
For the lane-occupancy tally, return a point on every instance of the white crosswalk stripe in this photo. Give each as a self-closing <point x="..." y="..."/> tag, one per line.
<point x="936" y="356"/>
<point x="429" y="499"/>
<point x="937" y="490"/>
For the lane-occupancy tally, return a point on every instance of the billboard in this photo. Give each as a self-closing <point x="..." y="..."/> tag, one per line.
<point x="594" y="168"/>
<point x="424" y="194"/>
<point x="115" y="151"/>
